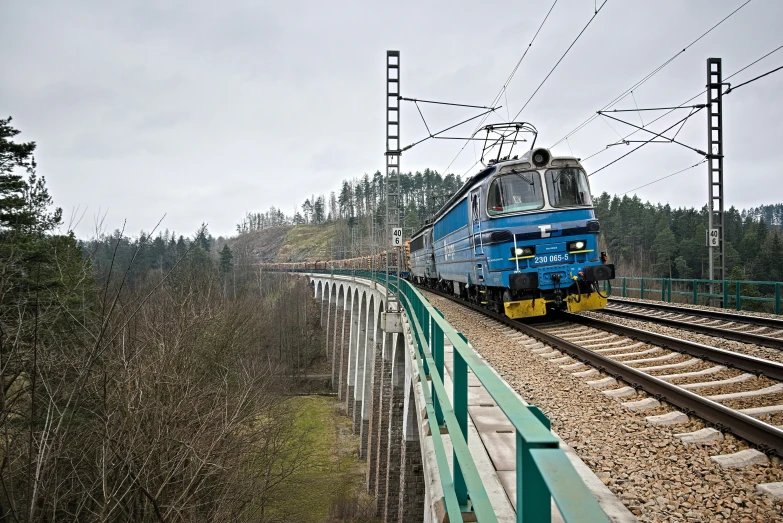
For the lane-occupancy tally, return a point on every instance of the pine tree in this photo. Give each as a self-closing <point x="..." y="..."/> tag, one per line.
<point x="226" y="260"/>
<point x="307" y="211"/>
<point x="203" y="238"/>
<point x="24" y="204"/>
<point x="318" y="210"/>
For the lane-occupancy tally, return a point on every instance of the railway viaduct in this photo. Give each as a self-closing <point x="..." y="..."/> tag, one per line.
<point x="377" y="373"/>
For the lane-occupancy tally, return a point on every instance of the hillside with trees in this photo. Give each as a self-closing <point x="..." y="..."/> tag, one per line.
<point x="642" y="238"/>
<point x="350" y="221"/>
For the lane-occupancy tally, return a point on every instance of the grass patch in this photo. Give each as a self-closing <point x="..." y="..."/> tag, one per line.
<point x="331" y="487"/>
<point x="307" y="242"/>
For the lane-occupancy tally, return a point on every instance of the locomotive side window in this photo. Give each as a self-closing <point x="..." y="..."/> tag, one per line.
<point x="567" y="187"/>
<point x="417" y="243"/>
<point x="515" y="192"/>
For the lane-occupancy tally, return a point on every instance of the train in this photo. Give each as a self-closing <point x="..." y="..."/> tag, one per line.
<point x="519" y="237"/>
<point x="375" y="262"/>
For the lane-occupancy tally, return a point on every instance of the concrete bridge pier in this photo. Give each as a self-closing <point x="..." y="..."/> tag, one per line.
<point x="374" y="376"/>
<point x="337" y="303"/>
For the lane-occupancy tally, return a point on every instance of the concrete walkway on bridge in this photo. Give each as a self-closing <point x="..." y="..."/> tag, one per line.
<point x="498" y="438"/>
<point x="375" y="374"/>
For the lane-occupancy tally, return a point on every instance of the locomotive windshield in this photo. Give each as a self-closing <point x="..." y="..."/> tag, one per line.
<point x="567" y="187"/>
<point x="515" y="192"/>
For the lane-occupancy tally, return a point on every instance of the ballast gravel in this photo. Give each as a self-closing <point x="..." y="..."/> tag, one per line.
<point x="657" y="476"/>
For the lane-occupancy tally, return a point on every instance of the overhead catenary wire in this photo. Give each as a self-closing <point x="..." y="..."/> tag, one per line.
<point x="503" y="89"/>
<point x="649" y="76"/>
<point x="683" y="104"/>
<point x="693" y="111"/>
<point x="734" y="88"/>
<point x="664" y="177"/>
<point x="562" y="57"/>
<point x="598" y="10"/>
<point x="645" y="142"/>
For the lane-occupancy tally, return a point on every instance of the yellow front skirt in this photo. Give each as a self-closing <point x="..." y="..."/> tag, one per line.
<point x="532" y="308"/>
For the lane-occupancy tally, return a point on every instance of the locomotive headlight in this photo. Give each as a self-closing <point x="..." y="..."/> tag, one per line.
<point x="522" y="251"/>
<point x="578" y="245"/>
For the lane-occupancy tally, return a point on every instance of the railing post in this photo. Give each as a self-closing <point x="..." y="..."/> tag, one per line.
<point x="642" y="290"/>
<point x="725" y="294"/>
<point x="738" y="295"/>
<point x="663" y="290"/>
<point x="777" y="298"/>
<point x="436" y="344"/>
<point x="625" y="293"/>
<point x="460" y="392"/>
<point x="534" y="503"/>
<point x="695" y="293"/>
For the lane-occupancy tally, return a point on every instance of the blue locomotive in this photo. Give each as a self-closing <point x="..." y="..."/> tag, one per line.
<point x="519" y="237"/>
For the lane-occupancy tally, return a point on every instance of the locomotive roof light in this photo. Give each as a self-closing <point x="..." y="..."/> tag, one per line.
<point x="541" y="157"/>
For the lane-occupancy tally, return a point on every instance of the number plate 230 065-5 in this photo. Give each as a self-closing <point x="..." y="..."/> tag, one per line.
<point x="544" y="259"/>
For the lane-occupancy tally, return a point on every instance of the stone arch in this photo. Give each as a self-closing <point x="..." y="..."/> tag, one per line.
<point x="319" y="290"/>
<point x="398" y="363"/>
<point x="411" y="485"/>
<point x="372" y="353"/>
<point x="337" y="335"/>
<point x="376" y="400"/>
<point x="394" y="447"/>
<point x="345" y="345"/>
<point x="375" y="349"/>
<point x="358" y="306"/>
<point x="381" y="412"/>
<point x="364" y="342"/>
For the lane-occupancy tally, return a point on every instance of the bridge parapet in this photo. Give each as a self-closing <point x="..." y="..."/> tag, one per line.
<point x="408" y="393"/>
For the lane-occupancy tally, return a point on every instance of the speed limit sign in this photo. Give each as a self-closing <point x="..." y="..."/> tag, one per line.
<point x="713" y="238"/>
<point x="397" y="237"/>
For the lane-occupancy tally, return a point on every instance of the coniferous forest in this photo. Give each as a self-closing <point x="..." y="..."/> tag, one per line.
<point x="641" y="238"/>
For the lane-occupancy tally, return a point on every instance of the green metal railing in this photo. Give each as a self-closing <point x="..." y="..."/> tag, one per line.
<point x="544" y="472"/>
<point x="754" y="295"/>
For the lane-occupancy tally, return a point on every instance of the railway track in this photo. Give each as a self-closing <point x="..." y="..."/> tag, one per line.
<point x="766" y="332"/>
<point x="650" y="361"/>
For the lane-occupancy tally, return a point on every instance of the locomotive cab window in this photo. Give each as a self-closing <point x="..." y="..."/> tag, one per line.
<point x="567" y="187"/>
<point x="515" y="192"/>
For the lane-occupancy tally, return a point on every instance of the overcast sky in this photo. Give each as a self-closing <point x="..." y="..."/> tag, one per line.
<point x="202" y="110"/>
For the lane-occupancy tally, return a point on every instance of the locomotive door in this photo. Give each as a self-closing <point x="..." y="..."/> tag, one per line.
<point x="475" y="235"/>
<point x="475" y="222"/>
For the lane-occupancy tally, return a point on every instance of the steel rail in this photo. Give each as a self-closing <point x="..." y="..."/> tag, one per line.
<point x="729" y="334"/>
<point x="765" y="436"/>
<point x="751" y="364"/>
<point x="716" y="315"/>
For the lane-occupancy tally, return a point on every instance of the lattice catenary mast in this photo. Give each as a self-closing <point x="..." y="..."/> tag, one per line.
<point x="392" y="186"/>
<point x="715" y="169"/>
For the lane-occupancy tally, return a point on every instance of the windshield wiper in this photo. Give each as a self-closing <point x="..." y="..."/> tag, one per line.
<point x="519" y="173"/>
